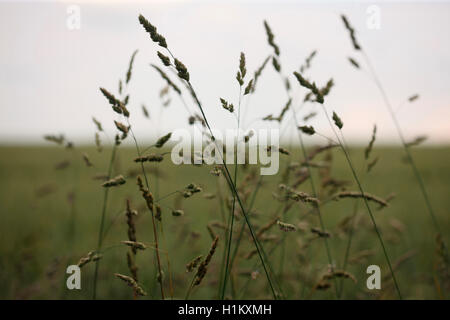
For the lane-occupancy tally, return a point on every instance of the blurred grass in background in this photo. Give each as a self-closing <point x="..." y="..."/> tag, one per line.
<point x="39" y="238"/>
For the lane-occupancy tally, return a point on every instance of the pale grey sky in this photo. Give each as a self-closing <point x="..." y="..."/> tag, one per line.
<point x="50" y="76"/>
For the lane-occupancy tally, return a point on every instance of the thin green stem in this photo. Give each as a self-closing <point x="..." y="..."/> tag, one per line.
<point x="102" y="220"/>
<point x="155" y="233"/>
<point x="232" y="187"/>
<point x="344" y="149"/>
<point x="405" y="146"/>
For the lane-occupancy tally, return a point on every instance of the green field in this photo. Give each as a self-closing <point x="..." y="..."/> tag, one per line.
<point x="50" y="219"/>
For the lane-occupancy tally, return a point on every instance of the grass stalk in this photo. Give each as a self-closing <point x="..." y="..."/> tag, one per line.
<point x="355" y="176"/>
<point x="155" y="233"/>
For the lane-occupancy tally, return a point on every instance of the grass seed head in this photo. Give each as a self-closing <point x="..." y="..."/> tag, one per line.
<point x="178" y="213"/>
<point x="227" y="106"/>
<point x="150" y="158"/>
<point x="162" y="141"/>
<point x="270" y="38"/>
<point x="307" y="130"/>
<point x="86" y="160"/>
<point x="287" y="227"/>
<point x="193" y="264"/>
<point x="370" y="146"/>
<point x="151" y="29"/>
<point x="164" y="59"/>
<point x="114" y="182"/>
<point x="337" y="121"/>
<point x="130" y="67"/>
<point x="97" y="124"/>
<point x="182" y="70"/>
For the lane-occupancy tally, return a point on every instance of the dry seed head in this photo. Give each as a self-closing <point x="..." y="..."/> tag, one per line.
<point x="193" y="264"/>
<point x="117" y="140"/>
<point x="117" y="105"/>
<point x="130" y="67"/>
<point x="98" y="142"/>
<point x="62" y="165"/>
<point x="242" y="70"/>
<point x="250" y="255"/>
<point x="320" y="233"/>
<point x="121" y="127"/>
<point x="167" y="79"/>
<point x="357" y="194"/>
<point x="270" y="118"/>
<point x="151" y="29"/>
<point x="158" y="214"/>
<point x="270" y="38"/>
<point x="276" y="65"/>
<point x="353" y="62"/>
<point x="309" y="116"/>
<point x="337" y="121"/>
<point x="370" y="146"/>
<point x="90" y="257"/>
<point x="307" y="130"/>
<point x="132" y="266"/>
<point x="177" y="213"/>
<point x="182" y="70"/>
<point x="150" y="158"/>
<point x="117" y="181"/>
<point x="352" y="32"/>
<point x="298" y="195"/>
<point x="322" y="285"/>
<point x="249" y="87"/>
<point x="319" y="150"/>
<point x="162" y="141"/>
<point x="145" y="112"/>
<point x="56" y="139"/>
<point x="258" y="73"/>
<point x="132" y="283"/>
<point x="227" y="106"/>
<point x="307" y="63"/>
<point x="326" y="89"/>
<point x="164" y="59"/>
<point x="339" y="274"/>
<point x="311" y="86"/>
<point x="97" y="124"/>
<point x="86" y="159"/>
<point x="418" y="140"/>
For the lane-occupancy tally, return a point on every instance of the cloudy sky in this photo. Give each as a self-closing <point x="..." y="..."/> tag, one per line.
<point x="50" y="74"/>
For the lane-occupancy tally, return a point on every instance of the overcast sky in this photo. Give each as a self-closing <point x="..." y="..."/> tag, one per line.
<point x="50" y="75"/>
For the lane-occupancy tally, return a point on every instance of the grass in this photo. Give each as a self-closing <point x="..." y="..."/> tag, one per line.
<point x="35" y="251"/>
<point x="51" y="202"/>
